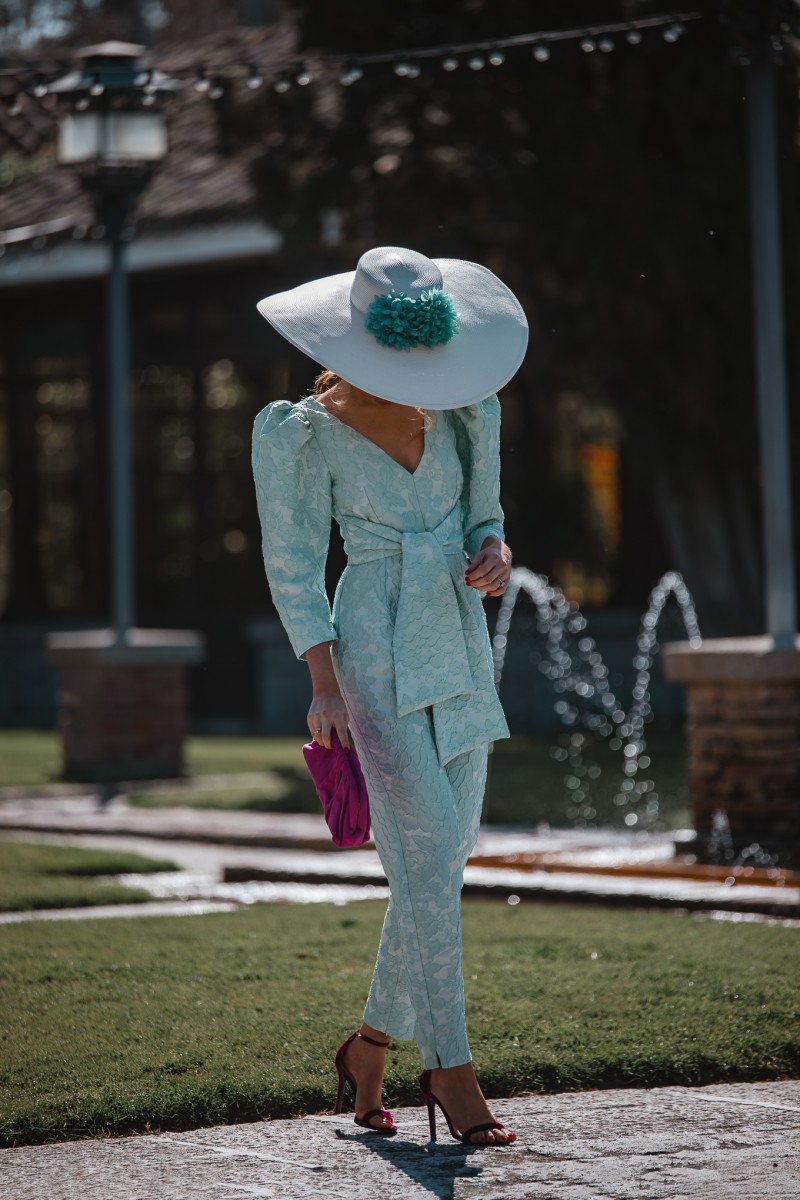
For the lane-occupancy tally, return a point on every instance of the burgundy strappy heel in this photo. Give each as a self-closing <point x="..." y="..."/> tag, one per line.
<point x="466" y="1136"/>
<point x="346" y="1077"/>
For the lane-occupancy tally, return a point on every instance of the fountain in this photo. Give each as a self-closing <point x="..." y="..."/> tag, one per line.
<point x="585" y="700"/>
<point x="584" y="696"/>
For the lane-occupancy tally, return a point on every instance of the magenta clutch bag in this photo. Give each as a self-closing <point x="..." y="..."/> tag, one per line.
<point x="342" y="791"/>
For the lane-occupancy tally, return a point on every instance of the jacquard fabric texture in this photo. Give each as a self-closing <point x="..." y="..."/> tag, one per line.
<point x="412" y="657"/>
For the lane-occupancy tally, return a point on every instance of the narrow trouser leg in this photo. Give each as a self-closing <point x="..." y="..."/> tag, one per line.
<point x="467" y="775"/>
<point x="389" y="1006"/>
<point x="423" y="834"/>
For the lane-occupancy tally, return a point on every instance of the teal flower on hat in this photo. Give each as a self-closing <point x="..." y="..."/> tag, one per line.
<point x="404" y="322"/>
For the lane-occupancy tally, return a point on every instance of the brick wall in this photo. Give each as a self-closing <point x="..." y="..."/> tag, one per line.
<point x="744" y="745"/>
<point x="743" y="733"/>
<point x="122" y="722"/>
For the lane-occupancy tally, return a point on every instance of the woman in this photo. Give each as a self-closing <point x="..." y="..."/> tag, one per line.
<point x="400" y="443"/>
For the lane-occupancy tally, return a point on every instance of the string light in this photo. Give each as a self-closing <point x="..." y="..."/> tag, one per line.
<point x="406" y="64"/>
<point x="351" y="75"/>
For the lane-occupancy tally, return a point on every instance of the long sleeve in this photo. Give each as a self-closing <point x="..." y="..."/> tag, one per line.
<point x="477" y="429"/>
<point x="293" y="490"/>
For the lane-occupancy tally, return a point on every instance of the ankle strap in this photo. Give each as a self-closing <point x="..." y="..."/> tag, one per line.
<point x="372" y="1041"/>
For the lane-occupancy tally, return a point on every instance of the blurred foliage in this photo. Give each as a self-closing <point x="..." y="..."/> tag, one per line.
<point x="38" y="23"/>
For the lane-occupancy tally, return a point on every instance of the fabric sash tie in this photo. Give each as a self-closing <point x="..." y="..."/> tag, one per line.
<point x="440" y="647"/>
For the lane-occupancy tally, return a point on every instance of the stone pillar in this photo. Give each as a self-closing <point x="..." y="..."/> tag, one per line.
<point x="123" y="709"/>
<point x="743" y="729"/>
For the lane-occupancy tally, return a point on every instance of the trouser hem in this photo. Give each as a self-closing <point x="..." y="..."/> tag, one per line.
<point x="395" y="1029"/>
<point x="431" y="1061"/>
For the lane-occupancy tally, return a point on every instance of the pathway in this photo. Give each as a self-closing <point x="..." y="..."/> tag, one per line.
<point x="723" y="1142"/>
<point x="242" y="857"/>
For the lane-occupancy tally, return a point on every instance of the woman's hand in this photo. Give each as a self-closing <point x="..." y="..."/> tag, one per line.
<point x="328" y="710"/>
<point x="490" y="569"/>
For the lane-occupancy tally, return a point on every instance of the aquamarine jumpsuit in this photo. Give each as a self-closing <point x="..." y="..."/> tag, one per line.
<point x="412" y="657"/>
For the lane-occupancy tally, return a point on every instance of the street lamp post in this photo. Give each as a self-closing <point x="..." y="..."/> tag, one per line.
<point x="123" y="703"/>
<point x="113" y="132"/>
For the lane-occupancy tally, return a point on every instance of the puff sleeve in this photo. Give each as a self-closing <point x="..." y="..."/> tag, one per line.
<point x="477" y="430"/>
<point x="293" y="491"/>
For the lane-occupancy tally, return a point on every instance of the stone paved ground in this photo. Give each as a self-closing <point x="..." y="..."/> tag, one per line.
<point x="724" y="1142"/>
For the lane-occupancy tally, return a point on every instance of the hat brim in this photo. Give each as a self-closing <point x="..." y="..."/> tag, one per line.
<point x="319" y="319"/>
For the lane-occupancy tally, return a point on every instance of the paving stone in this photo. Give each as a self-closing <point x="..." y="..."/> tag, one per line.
<point x="722" y="1142"/>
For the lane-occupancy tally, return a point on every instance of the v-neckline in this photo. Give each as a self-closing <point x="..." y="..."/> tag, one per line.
<point x="375" y="445"/>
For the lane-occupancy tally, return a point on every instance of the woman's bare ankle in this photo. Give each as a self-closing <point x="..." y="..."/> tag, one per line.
<point x="457" y="1074"/>
<point x="377" y="1035"/>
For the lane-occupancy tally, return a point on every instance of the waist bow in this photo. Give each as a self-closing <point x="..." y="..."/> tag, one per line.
<point x="431" y="660"/>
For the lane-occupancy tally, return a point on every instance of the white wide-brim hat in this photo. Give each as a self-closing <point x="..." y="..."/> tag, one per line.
<point x="327" y="319"/>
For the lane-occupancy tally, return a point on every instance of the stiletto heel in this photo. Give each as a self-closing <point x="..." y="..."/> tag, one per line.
<point x="466" y="1136"/>
<point x="432" y="1118"/>
<point x="345" y="1077"/>
<point x="337" y="1108"/>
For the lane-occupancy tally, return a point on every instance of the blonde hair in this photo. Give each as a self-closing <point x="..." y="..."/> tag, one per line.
<point x="328" y="379"/>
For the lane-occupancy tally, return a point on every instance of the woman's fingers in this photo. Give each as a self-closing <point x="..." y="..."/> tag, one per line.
<point x="478" y="567"/>
<point x="341" y="729"/>
<point x="323" y="719"/>
<point x="487" y="570"/>
<point x="317" y="731"/>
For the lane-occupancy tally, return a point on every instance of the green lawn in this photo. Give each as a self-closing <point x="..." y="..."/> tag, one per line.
<point x="28" y="757"/>
<point x="526" y="783"/>
<point x="36" y="875"/>
<point x="168" y="1023"/>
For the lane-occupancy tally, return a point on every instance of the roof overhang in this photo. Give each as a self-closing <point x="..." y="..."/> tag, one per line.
<point x="27" y="262"/>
